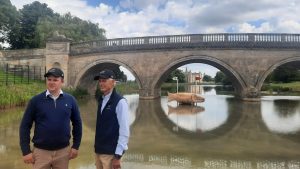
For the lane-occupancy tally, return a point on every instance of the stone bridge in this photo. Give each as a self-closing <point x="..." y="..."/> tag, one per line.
<point x="247" y="59"/>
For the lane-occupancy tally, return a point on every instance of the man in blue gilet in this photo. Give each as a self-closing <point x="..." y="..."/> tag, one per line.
<point x="112" y="128"/>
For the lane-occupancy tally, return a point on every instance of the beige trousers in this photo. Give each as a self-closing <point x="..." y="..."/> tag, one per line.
<point x="45" y="159"/>
<point x="103" y="161"/>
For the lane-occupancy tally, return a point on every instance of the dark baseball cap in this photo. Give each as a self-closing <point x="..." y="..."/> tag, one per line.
<point x="105" y="74"/>
<point x="56" y="72"/>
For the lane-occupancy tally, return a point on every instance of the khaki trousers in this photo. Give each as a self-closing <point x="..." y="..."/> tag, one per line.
<point x="45" y="159"/>
<point x="103" y="161"/>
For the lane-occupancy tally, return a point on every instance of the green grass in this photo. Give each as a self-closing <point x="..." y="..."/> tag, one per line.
<point x="18" y="94"/>
<point x="127" y="87"/>
<point x="292" y="88"/>
<point x="78" y="92"/>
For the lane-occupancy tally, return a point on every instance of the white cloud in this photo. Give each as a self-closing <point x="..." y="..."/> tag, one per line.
<point x="133" y="18"/>
<point x="159" y="17"/>
<point x="248" y="28"/>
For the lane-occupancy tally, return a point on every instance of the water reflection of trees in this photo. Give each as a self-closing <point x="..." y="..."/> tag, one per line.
<point x="282" y="116"/>
<point x="171" y="88"/>
<point x="286" y="107"/>
<point x="208" y="88"/>
<point x="224" y="89"/>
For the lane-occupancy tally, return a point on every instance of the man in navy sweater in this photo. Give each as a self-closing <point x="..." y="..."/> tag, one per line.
<point x="112" y="127"/>
<point x="51" y="112"/>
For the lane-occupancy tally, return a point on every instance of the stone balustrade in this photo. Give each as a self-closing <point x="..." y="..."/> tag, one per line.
<point x="225" y="40"/>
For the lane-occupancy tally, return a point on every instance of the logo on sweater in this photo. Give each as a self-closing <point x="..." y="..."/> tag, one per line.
<point x="108" y="106"/>
<point x="66" y="105"/>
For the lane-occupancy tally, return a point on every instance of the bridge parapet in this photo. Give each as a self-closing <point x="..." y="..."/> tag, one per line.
<point x="23" y="53"/>
<point x="247" y="40"/>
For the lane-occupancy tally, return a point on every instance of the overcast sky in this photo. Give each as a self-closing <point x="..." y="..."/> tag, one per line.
<point x="130" y="18"/>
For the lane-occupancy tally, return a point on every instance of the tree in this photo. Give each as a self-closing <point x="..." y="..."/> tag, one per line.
<point x="207" y="78"/>
<point x="222" y="78"/>
<point x="8" y="19"/>
<point x="285" y="74"/>
<point x="219" y="77"/>
<point x="176" y="73"/>
<point x="23" y="34"/>
<point x="38" y="22"/>
<point x="70" y="26"/>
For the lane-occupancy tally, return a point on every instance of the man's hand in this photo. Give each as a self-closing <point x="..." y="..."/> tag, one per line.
<point x="116" y="163"/>
<point x="73" y="153"/>
<point x="28" y="159"/>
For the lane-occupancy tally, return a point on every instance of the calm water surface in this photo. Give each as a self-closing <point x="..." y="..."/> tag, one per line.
<point x="220" y="133"/>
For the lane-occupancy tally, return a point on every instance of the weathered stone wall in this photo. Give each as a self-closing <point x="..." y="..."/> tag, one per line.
<point x="31" y="57"/>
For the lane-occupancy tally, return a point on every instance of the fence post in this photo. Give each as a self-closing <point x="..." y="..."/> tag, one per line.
<point x="45" y="72"/>
<point x="28" y="74"/>
<point x="14" y="69"/>
<point x="22" y="74"/>
<point x="33" y="73"/>
<point x="6" y="74"/>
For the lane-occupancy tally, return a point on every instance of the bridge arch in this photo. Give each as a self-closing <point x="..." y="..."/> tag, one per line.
<point x="261" y="80"/>
<point x="238" y="83"/>
<point x="89" y="66"/>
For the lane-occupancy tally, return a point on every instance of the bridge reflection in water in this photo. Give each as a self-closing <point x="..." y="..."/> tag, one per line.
<point x="169" y="162"/>
<point x="234" y="134"/>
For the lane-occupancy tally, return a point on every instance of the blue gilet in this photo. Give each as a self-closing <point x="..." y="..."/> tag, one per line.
<point x="107" y="126"/>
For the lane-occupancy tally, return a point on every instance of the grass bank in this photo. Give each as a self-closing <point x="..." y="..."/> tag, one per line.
<point x="127" y="87"/>
<point x="292" y="88"/>
<point x="19" y="94"/>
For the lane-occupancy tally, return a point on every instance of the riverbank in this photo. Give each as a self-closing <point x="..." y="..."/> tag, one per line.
<point x="19" y="94"/>
<point x="292" y="88"/>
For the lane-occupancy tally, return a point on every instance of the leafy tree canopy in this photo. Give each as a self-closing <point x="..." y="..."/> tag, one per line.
<point x="176" y="73"/>
<point x="222" y="78"/>
<point x="37" y="22"/>
<point x="8" y="18"/>
<point x="207" y="78"/>
<point x="70" y="26"/>
<point x="284" y="74"/>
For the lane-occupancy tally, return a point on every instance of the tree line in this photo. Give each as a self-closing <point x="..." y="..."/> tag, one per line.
<point x="30" y="26"/>
<point x="282" y="74"/>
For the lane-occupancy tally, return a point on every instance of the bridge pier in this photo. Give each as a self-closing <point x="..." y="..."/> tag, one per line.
<point x="147" y="94"/>
<point x="250" y="94"/>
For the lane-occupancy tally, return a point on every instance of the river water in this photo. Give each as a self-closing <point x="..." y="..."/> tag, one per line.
<point x="220" y="133"/>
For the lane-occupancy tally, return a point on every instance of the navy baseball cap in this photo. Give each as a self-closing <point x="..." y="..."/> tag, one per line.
<point x="56" y="72"/>
<point x="105" y="74"/>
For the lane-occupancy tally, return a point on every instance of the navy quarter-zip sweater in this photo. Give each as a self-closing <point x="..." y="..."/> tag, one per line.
<point x="107" y="126"/>
<point x="51" y="123"/>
